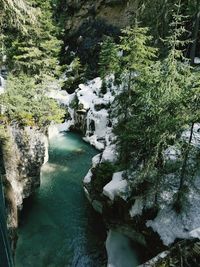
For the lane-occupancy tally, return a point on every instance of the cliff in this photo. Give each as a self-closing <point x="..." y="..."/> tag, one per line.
<point x="143" y="212"/>
<point x="24" y="152"/>
<point x="87" y="22"/>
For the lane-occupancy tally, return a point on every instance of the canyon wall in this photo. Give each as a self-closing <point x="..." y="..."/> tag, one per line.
<point x="86" y="23"/>
<point x="25" y="150"/>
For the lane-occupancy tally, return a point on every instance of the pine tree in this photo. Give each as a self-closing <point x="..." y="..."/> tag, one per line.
<point x="109" y="58"/>
<point x="36" y="51"/>
<point x="26" y="103"/>
<point x="135" y="64"/>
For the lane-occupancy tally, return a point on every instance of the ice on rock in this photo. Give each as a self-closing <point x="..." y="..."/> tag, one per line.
<point x="170" y="225"/>
<point x="119" y="250"/>
<point x="195" y="233"/>
<point x="109" y="154"/>
<point x="196" y="60"/>
<point x="118" y="186"/>
<point x="93" y="141"/>
<point x="90" y="97"/>
<point x="137" y="208"/>
<point x="2" y="85"/>
<point x="195" y="136"/>
<point x="88" y="177"/>
<point x="172" y="153"/>
<point x="96" y="160"/>
<point x="87" y="93"/>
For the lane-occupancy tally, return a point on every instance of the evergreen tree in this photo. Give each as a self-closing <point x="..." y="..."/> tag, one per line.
<point x="36" y="51"/>
<point x="32" y="49"/>
<point x="108" y="58"/>
<point x="26" y="103"/>
<point x="135" y="64"/>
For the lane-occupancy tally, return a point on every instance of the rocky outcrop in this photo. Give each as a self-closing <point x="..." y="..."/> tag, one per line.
<point x="114" y="12"/>
<point x="87" y="22"/>
<point x="24" y="152"/>
<point x="141" y="210"/>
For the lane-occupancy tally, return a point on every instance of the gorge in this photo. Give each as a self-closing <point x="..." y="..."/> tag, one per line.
<point x="58" y="227"/>
<point x="99" y="133"/>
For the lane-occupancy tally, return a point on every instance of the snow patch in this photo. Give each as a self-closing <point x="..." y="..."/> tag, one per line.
<point x="96" y="160"/>
<point x="195" y="233"/>
<point x="137" y="208"/>
<point x="171" y="225"/>
<point x="196" y="60"/>
<point x="2" y="85"/>
<point x="118" y="186"/>
<point x="88" y="177"/>
<point x="109" y="154"/>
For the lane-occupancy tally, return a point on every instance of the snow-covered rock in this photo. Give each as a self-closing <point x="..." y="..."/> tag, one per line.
<point x="196" y="60"/>
<point x="171" y="225"/>
<point x="120" y="251"/>
<point x="195" y="233"/>
<point x="118" y="186"/>
<point x="93" y="112"/>
<point x="172" y="153"/>
<point x="109" y="153"/>
<point x="64" y="99"/>
<point x="137" y="208"/>
<point x="88" y="177"/>
<point x="2" y="85"/>
<point x="195" y="137"/>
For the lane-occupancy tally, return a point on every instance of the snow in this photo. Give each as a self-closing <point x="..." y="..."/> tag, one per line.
<point x="93" y="141"/>
<point x="87" y="93"/>
<point x="61" y="96"/>
<point x="118" y="186"/>
<point x="90" y="98"/>
<point x="119" y="250"/>
<point x="2" y="85"/>
<point x="64" y="99"/>
<point x="195" y="137"/>
<point x="137" y="208"/>
<point x="171" y="225"/>
<point x="195" y="233"/>
<point x="196" y="60"/>
<point x="172" y="153"/>
<point x="88" y="177"/>
<point x="109" y="154"/>
<point x="96" y="160"/>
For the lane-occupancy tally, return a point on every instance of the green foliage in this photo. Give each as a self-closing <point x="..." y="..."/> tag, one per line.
<point x="26" y="103"/>
<point x="157" y="100"/>
<point x="35" y="51"/>
<point x="75" y="75"/>
<point x="102" y="174"/>
<point x="108" y="58"/>
<point x="32" y="49"/>
<point x="17" y="13"/>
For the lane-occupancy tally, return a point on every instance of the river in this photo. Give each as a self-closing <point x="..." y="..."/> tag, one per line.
<point x="58" y="227"/>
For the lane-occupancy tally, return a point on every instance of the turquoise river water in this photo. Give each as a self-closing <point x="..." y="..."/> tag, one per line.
<point x="58" y="227"/>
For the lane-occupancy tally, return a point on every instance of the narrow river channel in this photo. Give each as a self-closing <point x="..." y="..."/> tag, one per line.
<point x="58" y="227"/>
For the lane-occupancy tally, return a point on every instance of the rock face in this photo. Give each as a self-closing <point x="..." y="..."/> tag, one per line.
<point x="127" y="203"/>
<point x="87" y="22"/>
<point x="117" y="13"/>
<point x="24" y="152"/>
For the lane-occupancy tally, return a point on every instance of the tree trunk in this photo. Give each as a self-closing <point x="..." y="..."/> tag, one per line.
<point x="178" y="204"/>
<point x="195" y="33"/>
<point x="185" y="159"/>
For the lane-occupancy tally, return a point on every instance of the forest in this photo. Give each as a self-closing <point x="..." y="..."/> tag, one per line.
<point x="154" y="63"/>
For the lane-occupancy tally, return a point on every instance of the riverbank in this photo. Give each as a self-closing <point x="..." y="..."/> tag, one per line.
<point x="58" y="226"/>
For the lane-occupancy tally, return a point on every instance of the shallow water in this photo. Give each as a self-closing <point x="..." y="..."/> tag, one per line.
<point x="58" y="226"/>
